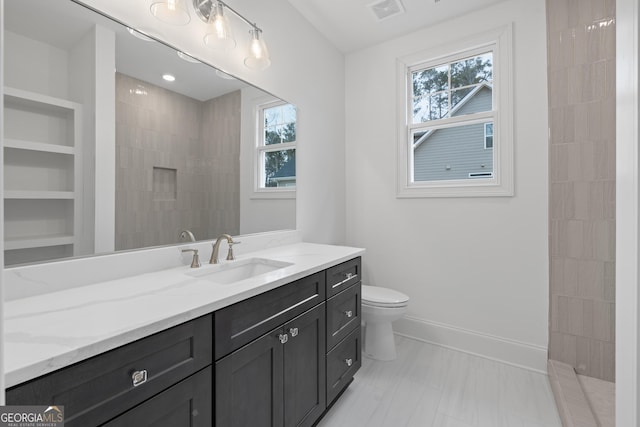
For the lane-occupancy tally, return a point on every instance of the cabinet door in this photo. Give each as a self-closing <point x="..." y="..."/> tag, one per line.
<point x="249" y="384"/>
<point x="304" y="368"/>
<point x="186" y="404"/>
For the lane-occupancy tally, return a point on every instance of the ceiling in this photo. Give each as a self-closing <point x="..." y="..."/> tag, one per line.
<point x="352" y="25"/>
<point x="62" y="23"/>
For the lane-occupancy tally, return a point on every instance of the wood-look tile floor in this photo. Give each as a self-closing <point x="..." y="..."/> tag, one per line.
<point x="432" y="386"/>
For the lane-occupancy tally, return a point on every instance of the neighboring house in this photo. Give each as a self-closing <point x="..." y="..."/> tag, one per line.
<point x="460" y="152"/>
<point x="286" y="175"/>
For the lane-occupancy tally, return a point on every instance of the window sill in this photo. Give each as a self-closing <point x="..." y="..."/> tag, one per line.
<point x="475" y="188"/>
<point x="274" y="194"/>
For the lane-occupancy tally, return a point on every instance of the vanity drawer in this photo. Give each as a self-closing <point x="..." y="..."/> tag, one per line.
<point x="342" y="363"/>
<point x="186" y="404"/>
<point x="343" y="275"/>
<point x="243" y="322"/>
<point x="343" y="314"/>
<point x="97" y="389"/>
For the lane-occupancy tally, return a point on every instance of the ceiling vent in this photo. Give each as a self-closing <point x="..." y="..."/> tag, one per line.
<point x="386" y="9"/>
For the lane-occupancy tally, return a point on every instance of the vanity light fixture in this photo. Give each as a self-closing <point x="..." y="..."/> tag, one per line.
<point x="258" y="55"/>
<point x="219" y="34"/>
<point x="174" y="12"/>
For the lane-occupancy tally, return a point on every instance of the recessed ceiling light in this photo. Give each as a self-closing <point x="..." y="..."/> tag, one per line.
<point x="168" y="77"/>
<point x="139" y="35"/>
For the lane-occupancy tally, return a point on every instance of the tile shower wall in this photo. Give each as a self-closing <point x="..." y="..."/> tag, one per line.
<point x="177" y="165"/>
<point x="581" y="58"/>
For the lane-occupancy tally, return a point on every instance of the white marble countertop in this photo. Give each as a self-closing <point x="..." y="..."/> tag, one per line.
<point x="46" y="332"/>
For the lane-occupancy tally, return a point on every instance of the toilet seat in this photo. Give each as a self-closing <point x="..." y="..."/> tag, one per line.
<point x="383" y="297"/>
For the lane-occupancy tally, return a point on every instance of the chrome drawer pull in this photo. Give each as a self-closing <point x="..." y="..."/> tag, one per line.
<point x="293" y="332"/>
<point x="349" y="362"/>
<point x="348" y="313"/>
<point x="139" y="377"/>
<point x="347" y="276"/>
<point x="283" y="338"/>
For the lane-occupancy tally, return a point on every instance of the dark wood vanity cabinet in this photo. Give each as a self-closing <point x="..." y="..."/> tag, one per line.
<point x="277" y="359"/>
<point x="344" y="317"/>
<point x="97" y="390"/>
<point x="290" y="374"/>
<point x="276" y="380"/>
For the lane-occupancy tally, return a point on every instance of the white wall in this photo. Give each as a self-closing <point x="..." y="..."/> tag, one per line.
<point x="306" y="70"/>
<point x="476" y="269"/>
<point x="627" y="213"/>
<point x="36" y="66"/>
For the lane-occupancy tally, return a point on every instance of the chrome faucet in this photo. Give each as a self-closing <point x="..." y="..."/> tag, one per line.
<point x="195" y="262"/>
<point x="216" y="246"/>
<point x="185" y="233"/>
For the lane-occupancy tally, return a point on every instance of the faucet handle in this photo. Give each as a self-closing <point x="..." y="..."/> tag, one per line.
<point x="195" y="262"/>
<point x="230" y="256"/>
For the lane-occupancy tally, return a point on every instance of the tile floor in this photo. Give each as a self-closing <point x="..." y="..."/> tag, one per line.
<point x="432" y="386"/>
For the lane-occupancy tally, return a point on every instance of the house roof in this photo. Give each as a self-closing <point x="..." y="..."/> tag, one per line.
<point x="458" y="106"/>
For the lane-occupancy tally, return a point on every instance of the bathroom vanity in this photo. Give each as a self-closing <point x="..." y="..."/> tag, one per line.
<point x="275" y="349"/>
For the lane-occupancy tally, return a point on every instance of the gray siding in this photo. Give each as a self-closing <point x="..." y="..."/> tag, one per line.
<point x="453" y="153"/>
<point x="481" y="101"/>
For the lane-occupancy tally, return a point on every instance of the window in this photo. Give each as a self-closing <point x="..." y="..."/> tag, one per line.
<point x="276" y="148"/>
<point x="488" y="136"/>
<point x="450" y="99"/>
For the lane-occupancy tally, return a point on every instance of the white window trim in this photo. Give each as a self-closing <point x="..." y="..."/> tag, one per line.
<point x="260" y="192"/>
<point x="500" y="41"/>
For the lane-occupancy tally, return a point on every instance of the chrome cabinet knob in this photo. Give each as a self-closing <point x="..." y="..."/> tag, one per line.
<point x="139" y="377"/>
<point x="283" y="338"/>
<point x="348" y="313"/>
<point x="349" y="362"/>
<point x="293" y="332"/>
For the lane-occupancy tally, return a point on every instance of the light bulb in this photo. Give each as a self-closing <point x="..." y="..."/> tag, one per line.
<point x="258" y="55"/>
<point x="221" y="36"/>
<point x="173" y="12"/>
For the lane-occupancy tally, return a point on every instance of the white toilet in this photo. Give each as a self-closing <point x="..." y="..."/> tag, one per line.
<point x="380" y="307"/>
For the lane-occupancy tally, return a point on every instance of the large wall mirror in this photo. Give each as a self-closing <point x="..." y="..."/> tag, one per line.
<point x="97" y="161"/>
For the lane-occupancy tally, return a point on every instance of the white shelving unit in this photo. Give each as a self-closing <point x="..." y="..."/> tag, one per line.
<point x="43" y="179"/>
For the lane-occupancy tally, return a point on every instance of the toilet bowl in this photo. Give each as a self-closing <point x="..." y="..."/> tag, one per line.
<point x="380" y="307"/>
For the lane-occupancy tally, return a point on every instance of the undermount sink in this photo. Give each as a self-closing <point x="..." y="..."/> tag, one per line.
<point x="235" y="271"/>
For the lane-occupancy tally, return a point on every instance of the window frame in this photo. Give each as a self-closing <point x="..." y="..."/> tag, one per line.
<point x="499" y="42"/>
<point x="287" y="192"/>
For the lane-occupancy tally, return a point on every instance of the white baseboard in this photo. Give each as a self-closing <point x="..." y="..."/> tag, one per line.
<point x="523" y="355"/>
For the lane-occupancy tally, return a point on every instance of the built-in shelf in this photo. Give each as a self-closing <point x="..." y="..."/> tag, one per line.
<point x="38" y="146"/>
<point x="40" y="195"/>
<point x="29" y="99"/>
<point x="43" y="176"/>
<point x="27" y="242"/>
